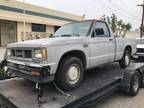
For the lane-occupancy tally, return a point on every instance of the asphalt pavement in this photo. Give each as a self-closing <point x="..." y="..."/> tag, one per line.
<point x="121" y="100"/>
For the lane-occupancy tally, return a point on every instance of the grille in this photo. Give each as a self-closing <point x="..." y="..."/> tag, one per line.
<point x="140" y="50"/>
<point x="21" y="53"/>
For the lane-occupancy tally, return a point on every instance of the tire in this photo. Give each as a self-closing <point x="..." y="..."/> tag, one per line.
<point x="142" y="80"/>
<point x="125" y="61"/>
<point x="69" y="74"/>
<point x="135" y="85"/>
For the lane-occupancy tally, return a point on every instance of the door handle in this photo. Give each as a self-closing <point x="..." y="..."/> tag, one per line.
<point x="110" y="39"/>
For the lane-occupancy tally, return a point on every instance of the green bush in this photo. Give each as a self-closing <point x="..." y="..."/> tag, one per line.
<point x="3" y="73"/>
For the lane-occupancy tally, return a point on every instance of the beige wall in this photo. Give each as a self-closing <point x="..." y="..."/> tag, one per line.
<point x="32" y="35"/>
<point x="133" y="34"/>
<point x="9" y="15"/>
<point x="20" y="29"/>
<point x="8" y="32"/>
<point x="50" y="29"/>
<point x="2" y="53"/>
<point x="4" y="33"/>
<point x="21" y="5"/>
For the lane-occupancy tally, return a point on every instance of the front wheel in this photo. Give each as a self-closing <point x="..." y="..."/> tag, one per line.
<point x="125" y="61"/>
<point x="70" y="73"/>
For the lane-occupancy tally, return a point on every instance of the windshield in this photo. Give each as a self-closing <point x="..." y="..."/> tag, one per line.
<point x="140" y="41"/>
<point x="74" y="29"/>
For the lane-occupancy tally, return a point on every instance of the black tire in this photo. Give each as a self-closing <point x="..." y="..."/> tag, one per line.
<point x="62" y="78"/>
<point x="123" y="63"/>
<point x="142" y="80"/>
<point x="135" y="85"/>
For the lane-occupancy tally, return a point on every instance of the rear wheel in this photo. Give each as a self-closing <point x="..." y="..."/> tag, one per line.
<point x="125" y="61"/>
<point x="135" y="85"/>
<point x="70" y="73"/>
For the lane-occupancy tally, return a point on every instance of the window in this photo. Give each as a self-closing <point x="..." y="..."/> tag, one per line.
<point x="38" y="27"/>
<point x="101" y="30"/>
<point x="74" y="29"/>
<point x="56" y="28"/>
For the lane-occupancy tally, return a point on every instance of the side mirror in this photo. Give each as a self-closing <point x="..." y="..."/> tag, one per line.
<point x="115" y="36"/>
<point x="50" y="35"/>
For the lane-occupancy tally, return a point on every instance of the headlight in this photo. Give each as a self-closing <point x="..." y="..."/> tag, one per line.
<point x="38" y="54"/>
<point x="8" y="52"/>
<point x="41" y="54"/>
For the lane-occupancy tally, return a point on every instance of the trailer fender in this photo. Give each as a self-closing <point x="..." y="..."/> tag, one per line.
<point x="141" y="72"/>
<point x="126" y="80"/>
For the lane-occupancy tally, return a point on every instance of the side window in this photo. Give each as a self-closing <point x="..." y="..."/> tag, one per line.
<point x="101" y="30"/>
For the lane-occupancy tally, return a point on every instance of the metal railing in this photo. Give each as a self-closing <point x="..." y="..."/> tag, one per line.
<point x="34" y="35"/>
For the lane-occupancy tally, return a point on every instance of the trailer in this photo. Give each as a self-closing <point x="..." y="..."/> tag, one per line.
<point x="98" y="83"/>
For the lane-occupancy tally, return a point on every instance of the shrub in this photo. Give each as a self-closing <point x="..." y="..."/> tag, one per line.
<point x="3" y="73"/>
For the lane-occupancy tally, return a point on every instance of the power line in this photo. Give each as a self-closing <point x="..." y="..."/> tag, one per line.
<point x="121" y="9"/>
<point x="107" y="7"/>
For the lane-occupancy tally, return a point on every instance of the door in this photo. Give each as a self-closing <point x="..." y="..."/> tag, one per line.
<point x="102" y="45"/>
<point x="12" y="32"/>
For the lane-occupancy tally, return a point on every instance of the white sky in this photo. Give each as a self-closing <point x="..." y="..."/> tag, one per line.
<point x="124" y="9"/>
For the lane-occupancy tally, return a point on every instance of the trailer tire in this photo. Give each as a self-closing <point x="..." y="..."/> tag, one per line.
<point x="134" y="85"/>
<point x="142" y="80"/>
<point x="125" y="61"/>
<point x="70" y="73"/>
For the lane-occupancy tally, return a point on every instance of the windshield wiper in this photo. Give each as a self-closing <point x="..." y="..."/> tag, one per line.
<point x="64" y="35"/>
<point x="70" y="35"/>
<point x="55" y="36"/>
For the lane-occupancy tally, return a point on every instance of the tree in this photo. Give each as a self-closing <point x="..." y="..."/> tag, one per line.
<point x="118" y="26"/>
<point x="127" y="27"/>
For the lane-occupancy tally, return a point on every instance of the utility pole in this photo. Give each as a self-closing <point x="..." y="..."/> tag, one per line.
<point x="24" y="23"/>
<point x="142" y="23"/>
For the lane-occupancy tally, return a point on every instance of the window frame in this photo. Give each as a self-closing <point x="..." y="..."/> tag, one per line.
<point x="100" y="35"/>
<point x="37" y="26"/>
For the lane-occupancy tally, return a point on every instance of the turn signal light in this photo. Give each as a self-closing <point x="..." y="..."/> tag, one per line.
<point x="35" y="73"/>
<point x="44" y="54"/>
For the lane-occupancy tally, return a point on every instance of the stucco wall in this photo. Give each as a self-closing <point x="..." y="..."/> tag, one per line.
<point x="50" y="29"/>
<point x="4" y="34"/>
<point x="133" y="34"/>
<point x="32" y="35"/>
<point x="20" y="29"/>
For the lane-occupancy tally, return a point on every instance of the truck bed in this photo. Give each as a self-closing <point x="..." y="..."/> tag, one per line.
<point x="97" y="84"/>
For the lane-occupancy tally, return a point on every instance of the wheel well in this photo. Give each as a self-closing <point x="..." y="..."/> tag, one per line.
<point x="129" y="48"/>
<point x="76" y="53"/>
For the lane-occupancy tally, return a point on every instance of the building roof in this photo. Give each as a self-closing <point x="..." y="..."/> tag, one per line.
<point x="14" y="10"/>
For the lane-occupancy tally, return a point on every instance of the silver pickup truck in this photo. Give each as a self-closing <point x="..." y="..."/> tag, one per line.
<point x="64" y="57"/>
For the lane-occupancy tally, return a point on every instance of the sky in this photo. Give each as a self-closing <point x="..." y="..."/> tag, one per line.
<point x="127" y="10"/>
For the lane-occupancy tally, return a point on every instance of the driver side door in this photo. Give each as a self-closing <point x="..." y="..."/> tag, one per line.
<point x="102" y="45"/>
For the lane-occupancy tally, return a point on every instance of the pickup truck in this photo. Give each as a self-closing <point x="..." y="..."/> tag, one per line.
<point x="73" y="49"/>
<point x="140" y="48"/>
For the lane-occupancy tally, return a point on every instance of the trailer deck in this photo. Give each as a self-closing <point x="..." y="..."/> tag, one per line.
<point x="98" y="83"/>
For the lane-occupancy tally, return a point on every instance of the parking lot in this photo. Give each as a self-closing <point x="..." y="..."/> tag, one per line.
<point x="120" y="100"/>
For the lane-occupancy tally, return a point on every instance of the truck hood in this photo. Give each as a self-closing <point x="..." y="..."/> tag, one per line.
<point x="140" y="46"/>
<point x="48" y="42"/>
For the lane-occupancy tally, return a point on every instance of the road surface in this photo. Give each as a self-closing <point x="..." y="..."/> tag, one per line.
<point x="120" y="100"/>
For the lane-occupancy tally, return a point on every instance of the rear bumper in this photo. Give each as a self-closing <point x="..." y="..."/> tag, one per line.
<point x="24" y="71"/>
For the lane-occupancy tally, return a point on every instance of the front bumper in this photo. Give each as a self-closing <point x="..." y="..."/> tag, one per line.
<point x="140" y="54"/>
<point x="24" y="71"/>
